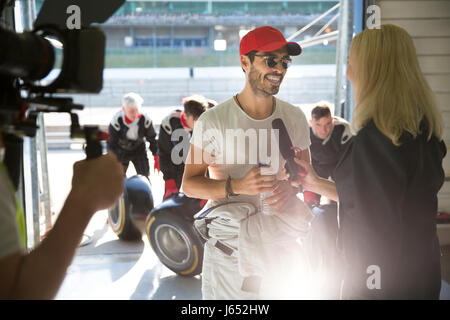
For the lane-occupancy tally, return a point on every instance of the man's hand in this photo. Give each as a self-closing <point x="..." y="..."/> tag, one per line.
<point x="97" y="183"/>
<point x="281" y="195"/>
<point x="254" y="183"/>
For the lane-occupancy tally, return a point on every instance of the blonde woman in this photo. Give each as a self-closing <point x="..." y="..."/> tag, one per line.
<point x="388" y="178"/>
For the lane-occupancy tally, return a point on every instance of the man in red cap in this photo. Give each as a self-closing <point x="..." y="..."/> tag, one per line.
<point x="248" y="255"/>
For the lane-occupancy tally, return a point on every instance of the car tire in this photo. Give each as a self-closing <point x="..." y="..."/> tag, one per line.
<point x="176" y="242"/>
<point x="120" y="220"/>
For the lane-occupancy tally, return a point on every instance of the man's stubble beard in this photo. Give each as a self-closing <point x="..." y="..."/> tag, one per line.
<point x="258" y="87"/>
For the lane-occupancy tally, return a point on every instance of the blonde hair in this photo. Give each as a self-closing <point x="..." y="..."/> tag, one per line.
<point x="392" y="90"/>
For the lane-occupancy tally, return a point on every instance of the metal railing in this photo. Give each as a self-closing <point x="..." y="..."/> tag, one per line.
<point x="36" y="183"/>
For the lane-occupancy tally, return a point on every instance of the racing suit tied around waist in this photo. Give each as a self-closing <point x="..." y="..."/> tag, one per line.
<point x="256" y="240"/>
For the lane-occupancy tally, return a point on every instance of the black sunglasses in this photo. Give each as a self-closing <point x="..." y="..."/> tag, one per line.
<point x="272" y="61"/>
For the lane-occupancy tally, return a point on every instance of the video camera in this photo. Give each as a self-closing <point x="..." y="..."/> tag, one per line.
<point x="28" y="57"/>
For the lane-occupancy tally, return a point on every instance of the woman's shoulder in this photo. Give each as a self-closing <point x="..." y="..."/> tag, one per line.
<point x="370" y="134"/>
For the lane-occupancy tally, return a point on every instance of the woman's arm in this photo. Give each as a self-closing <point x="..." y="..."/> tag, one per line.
<point x="310" y="181"/>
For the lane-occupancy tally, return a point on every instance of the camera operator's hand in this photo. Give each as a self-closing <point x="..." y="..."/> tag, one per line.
<point x="97" y="183"/>
<point x="254" y="183"/>
<point x="281" y="195"/>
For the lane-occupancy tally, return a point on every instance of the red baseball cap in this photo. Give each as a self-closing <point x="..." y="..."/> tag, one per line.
<point x="267" y="39"/>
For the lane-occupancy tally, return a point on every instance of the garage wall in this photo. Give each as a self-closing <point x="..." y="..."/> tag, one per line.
<point x="428" y="22"/>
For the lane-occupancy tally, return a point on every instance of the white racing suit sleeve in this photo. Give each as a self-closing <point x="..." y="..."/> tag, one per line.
<point x="223" y="222"/>
<point x="260" y="247"/>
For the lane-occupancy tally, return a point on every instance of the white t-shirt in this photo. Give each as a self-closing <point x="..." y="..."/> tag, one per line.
<point x="9" y="232"/>
<point x="238" y="142"/>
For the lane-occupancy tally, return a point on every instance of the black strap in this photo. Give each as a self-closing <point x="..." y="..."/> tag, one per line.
<point x="219" y="245"/>
<point x="207" y="222"/>
<point x="227" y="250"/>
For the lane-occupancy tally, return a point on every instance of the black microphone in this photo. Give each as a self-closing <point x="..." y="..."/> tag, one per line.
<point x="285" y="144"/>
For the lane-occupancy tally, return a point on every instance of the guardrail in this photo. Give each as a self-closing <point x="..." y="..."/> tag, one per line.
<point x="58" y="137"/>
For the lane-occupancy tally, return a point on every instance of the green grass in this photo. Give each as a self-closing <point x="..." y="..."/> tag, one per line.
<point x="164" y="60"/>
<point x="143" y="58"/>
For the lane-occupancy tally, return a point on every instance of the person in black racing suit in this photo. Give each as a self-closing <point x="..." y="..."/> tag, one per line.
<point x="174" y="137"/>
<point x="329" y="136"/>
<point x="129" y="130"/>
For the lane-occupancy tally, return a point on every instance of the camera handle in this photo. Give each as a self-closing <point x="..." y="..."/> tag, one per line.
<point x="91" y="134"/>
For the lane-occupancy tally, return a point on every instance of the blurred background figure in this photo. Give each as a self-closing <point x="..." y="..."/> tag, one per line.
<point x="174" y="136"/>
<point x="129" y="130"/>
<point x="212" y="103"/>
<point x="329" y="136"/>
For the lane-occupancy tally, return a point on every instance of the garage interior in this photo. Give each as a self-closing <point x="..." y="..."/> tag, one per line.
<point x="106" y="267"/>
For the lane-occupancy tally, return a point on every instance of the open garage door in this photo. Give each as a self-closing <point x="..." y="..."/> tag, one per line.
<point x="166" y="50"/>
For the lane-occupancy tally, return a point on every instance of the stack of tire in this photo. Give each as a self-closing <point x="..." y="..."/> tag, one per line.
<point x="169" y="226"/>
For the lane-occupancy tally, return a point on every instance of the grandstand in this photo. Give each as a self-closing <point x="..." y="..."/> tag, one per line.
<point x="150" y="33"/>
<point x="175" y="24"/>
<point x="165" y="50"/>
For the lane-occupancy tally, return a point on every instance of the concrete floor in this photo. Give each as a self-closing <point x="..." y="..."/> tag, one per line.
<point x="108" y="268"/>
